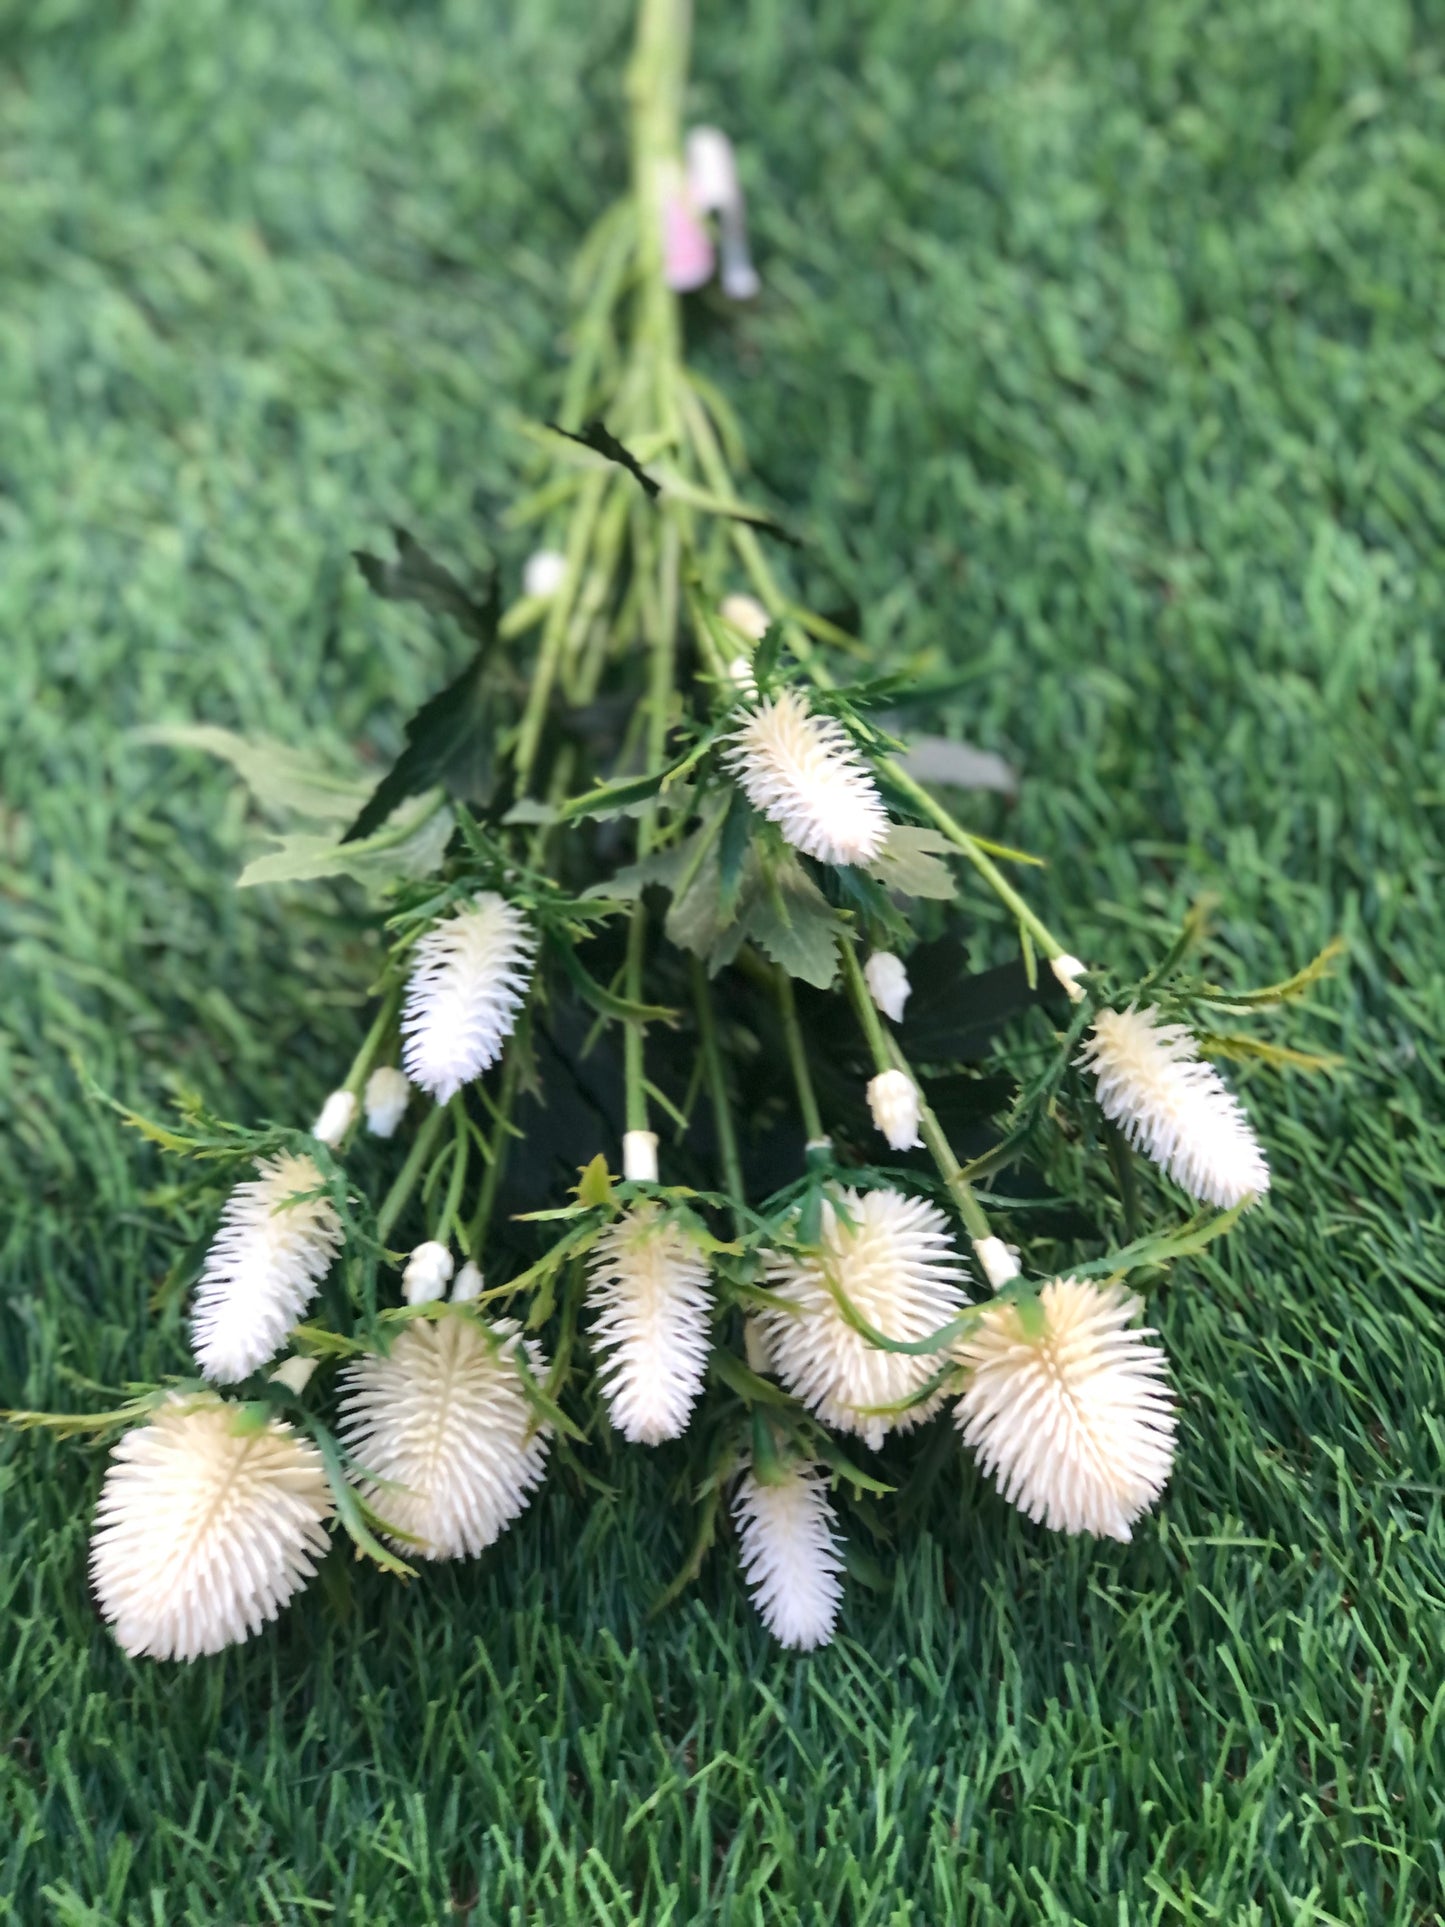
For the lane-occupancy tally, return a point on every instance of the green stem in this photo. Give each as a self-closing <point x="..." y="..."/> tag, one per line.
<point x="501" y="1145"/>
<point x="400" y="1193"/>
<point x="452" y="1204"/>
<point x="798" y="1056"/>
<point x="632" y="1037"/>
<point x="381" y="1023"/>
<point x="888" y="1057"/>
<point x="994" y="877"/>
<point x="717" y="1083"/>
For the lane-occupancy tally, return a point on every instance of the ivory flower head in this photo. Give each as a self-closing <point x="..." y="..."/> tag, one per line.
<point x="791" y="1554"/>
<point x="1173" y="1106"/>
<point x="206" y="1527"/>
<point x="469" y="975"/>
<point x="803" y="773"/>
<point x="273" y="1247"/>
<point x="1074" y="1421"/>
<point x="892" y="1257"/>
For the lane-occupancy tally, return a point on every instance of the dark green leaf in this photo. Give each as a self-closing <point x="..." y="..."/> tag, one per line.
<point x="596" y="436"/>
<point x="416" y="576"/>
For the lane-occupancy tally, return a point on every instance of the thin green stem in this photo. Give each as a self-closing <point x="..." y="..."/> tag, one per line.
<point x="406" y="1178"/>
<point x="930" y="807"/>
<point x="633" y="1073"/>
<point x="717" y="1084"/>
<point x="371" y="1043"/>
<point x="798" y="1056"/>
<point x="887" y="1056"/>
<point x="500" y="1147"/>
<point x="451" y="1205"/>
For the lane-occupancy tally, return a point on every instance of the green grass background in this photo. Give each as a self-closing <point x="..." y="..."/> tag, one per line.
<point x="1102" y="345"/>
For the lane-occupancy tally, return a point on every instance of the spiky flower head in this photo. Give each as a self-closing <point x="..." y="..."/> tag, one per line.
<point x="648" y="1286"/>
<point x="271" y="1251"/>
<point x="892" y="1258"/>
<point x="803" y="773"/>
<point x="335" y="1119"/>
<point x="388" y="1091"/>
<point x="206" y="1526"/>
<point x="448" y="1445"/>
<point x="1173" y="1106"/>
<point x="888" y="985"/>
<point x="1073" y="1421"/>
<point x="893" y="1099"/>
<point x="791" y="1556"/>
<point x="469" y="976"/>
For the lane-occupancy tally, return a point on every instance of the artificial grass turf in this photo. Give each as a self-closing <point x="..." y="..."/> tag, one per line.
<point x="1101" y="348"/>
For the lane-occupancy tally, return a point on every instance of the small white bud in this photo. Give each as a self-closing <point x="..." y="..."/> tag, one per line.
<point x="888" y="984"/>
<point x="335" y="1119"/>
<point x="740" y="675"/>
<point x="639" y="1156"/>
<point x="996" y="1261"/>
<point x="387" y="1092"/>
<point x="294" y="1373"/>
<point x="893" y="1100"/>
<point x="427" y="1271"/>
<point x="544" y="573"/>
<point x="468" y="1285"/>
<point x="745" y="614"/>
<point x="1068" y="971"/>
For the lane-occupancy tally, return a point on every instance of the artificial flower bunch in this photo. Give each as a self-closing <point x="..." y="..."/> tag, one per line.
<point x="700" y="1095"/>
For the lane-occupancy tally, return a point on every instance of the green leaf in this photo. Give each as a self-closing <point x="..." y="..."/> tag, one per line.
<point x="909" y="863"/>
<point x="410" y="844"/>
<point x="606" y="1002"/>
<point x="595" y="1186"/>
<point x="280" y="778"/>
<point x="793" y="922"/>
<point x="596" y="436"/>
<point x="937" y="759"/>
<point x="416" y="576"/>
<point x="749" y="1387"/>
<point x="450" y="742"/>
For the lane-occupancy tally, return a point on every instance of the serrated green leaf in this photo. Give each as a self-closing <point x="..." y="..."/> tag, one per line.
<point x="414" y="575"/>
<point x="279" y="778"/>
<point x="595" y="1185"/>
<point x="411" y="844"/>
<point x="450" y="741"/>
<point x="909" y="863"/>
<point x="794" y="924"/>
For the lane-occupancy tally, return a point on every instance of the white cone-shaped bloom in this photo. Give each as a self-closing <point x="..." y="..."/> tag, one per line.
<point x="543" y="573"/>
<point x="1074" y="1426"/>
<point x="205" y="1528"/>
<point x="335" y="1119"/>
<point x="740" y="675"/>
<point x="447" y="1444"/>
<point x="468" y="1286"/>
<point x="1067" y="971"/>
<point x="468" y="979"/>
<point x="387" y="1093"/>
<point x="745" y="614"/>
<point x="427" y="1273"/>
<point x="888" y="984"/>
<point x="803" y="773"/>
<point x="896" y="1264"/>
<point x="893" y="1100"/>
<point x="1173" y="1106"/>
<point x="648" y="1286"/>
<point x="265" y="1263"/>
<point x="791" y="1556"/>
